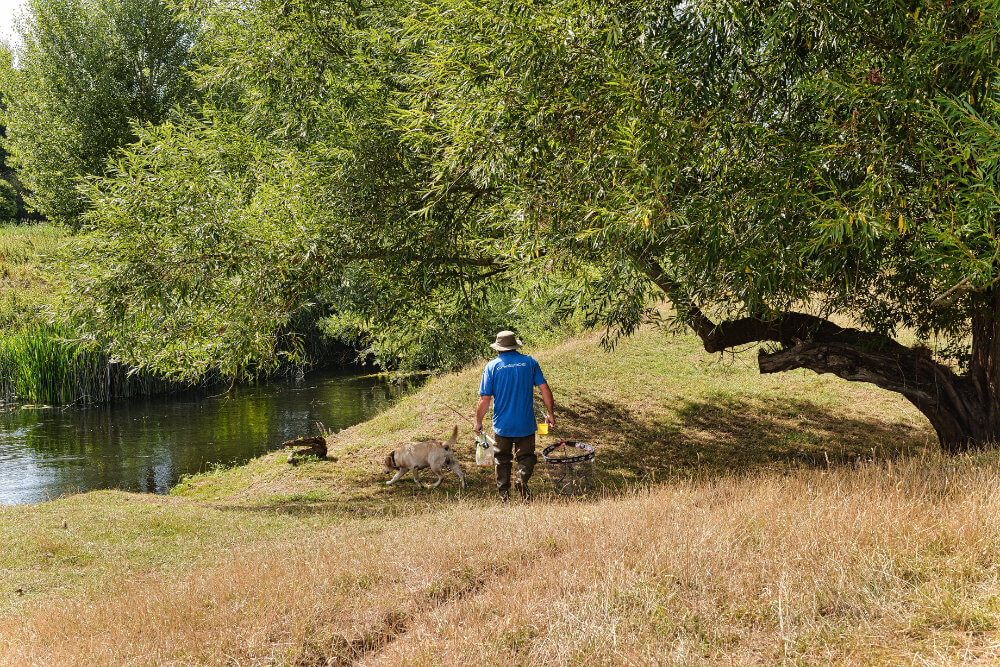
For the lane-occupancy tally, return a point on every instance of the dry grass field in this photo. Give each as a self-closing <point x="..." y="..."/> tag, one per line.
<point x="738" y="519"/>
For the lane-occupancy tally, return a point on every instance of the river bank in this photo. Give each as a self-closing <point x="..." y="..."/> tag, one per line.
<point x="745" y="517"/>
<point x="148" y="445"/>
<point x="38" y="363"/>
<point x="44" y="358"/>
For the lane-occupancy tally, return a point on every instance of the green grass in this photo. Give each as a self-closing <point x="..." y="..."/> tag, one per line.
<point x="658" y="408"/>
<point x="32" y="274"/>
<point x="792" y="518"/>
<point x="108" y="533"/>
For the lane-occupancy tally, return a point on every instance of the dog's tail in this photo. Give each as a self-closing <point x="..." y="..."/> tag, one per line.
<point x="453" y="439"/>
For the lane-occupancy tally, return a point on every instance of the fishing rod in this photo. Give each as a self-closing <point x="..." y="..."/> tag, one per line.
<point x="488" y="438"/>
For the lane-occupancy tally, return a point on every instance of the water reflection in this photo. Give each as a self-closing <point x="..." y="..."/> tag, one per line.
<point x="147" y="445"/>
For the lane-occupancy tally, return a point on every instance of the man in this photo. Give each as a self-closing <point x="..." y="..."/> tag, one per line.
<point x="509" y="380"/>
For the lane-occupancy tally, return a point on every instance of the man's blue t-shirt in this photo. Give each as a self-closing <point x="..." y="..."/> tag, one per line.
<point x="511" y="379"/>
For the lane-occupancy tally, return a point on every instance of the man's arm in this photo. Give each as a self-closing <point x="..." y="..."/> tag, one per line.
<point x="481" y="408"/>
<point x="549" y="403"/>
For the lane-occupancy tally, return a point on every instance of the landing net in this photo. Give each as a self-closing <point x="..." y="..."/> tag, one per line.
<point x="570" y="466"/>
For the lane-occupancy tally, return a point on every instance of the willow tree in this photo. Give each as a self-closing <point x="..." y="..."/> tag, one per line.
<point x="776" y="169"/>
<point x="290" y="196"/>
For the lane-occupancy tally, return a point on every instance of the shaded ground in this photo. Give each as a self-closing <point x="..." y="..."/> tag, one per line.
<point x="734" y="435"/>
<point x="657" y="409"/>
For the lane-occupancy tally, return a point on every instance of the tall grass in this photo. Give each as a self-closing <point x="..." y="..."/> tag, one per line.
<point x="873" y="563"/>
<point x="40" y="364"/>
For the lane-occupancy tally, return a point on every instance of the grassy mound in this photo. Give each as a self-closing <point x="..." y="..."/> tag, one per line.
<point x="657" y="409"/>
<point x="739" y="517"/>
<point x="30" y="277"/>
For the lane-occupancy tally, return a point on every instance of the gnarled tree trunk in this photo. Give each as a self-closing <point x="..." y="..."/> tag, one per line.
<point x="952" y="403"/>
<point x="963" y="409"/>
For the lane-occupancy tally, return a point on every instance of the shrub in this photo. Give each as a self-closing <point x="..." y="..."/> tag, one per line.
<point x="8" y="202"/>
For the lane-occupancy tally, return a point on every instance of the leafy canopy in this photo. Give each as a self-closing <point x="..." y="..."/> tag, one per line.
<point x="415" y="164"/>
<point x="82" y="73"/>
<point x="761" y="154"/>
<point x="289" y="192"/>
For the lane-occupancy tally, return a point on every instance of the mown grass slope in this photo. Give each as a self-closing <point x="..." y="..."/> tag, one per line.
<point x="739" y="517"/>
<point x="657" y="408"/>
<point x="31" y="278"/>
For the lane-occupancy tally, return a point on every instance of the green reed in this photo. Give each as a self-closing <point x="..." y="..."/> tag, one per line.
<point x="40" y="364"/>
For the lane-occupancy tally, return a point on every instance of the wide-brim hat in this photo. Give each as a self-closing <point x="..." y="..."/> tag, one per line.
<point x="506" y="341"/>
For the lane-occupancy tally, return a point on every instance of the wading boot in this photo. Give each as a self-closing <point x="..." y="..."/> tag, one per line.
<point x="524" y="491"/>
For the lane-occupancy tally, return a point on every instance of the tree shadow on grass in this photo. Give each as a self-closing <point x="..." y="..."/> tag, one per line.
<point x="726" y="436"/>
<point x="360" y="505"/>
<point x="704" y="438"/>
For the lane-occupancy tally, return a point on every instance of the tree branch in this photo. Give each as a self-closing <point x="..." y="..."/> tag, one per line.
<point x="904" y="371"/>
<point x="787" y="328"/>
<point x="926" y="383"/>
<point x="950" y="401"/>
<point x="792" y="328"/>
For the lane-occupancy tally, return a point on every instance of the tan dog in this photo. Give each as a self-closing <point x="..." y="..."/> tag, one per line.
<point x="432" y="454"/>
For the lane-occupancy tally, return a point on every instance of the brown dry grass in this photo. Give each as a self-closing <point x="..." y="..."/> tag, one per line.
<point x="873" y="562"/>
<point x="742" y="519"/>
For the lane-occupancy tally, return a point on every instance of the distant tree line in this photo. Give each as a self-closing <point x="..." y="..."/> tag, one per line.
<point x="82" y="74"/>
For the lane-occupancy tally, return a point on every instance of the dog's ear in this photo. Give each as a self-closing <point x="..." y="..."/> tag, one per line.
<point x="388" y="461"/>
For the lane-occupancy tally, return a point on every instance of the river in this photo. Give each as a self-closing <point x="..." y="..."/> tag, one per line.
<point x="147" y="445"/>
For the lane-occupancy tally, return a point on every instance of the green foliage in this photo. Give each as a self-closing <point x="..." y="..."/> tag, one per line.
<point x="291" y="197"/>
<point x="760" y="155"/>
<point x="41" y="362"/>
<point x="85" y="70"/>
<point x="414" y="169"/>
<point x="209" y="256"/>
<point x="451" y="334"/>
<point x="8" y="202"/>
<point x="260" y="209"/>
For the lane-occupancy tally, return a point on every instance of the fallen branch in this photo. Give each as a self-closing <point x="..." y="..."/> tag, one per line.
<point x="314" y="445"/>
